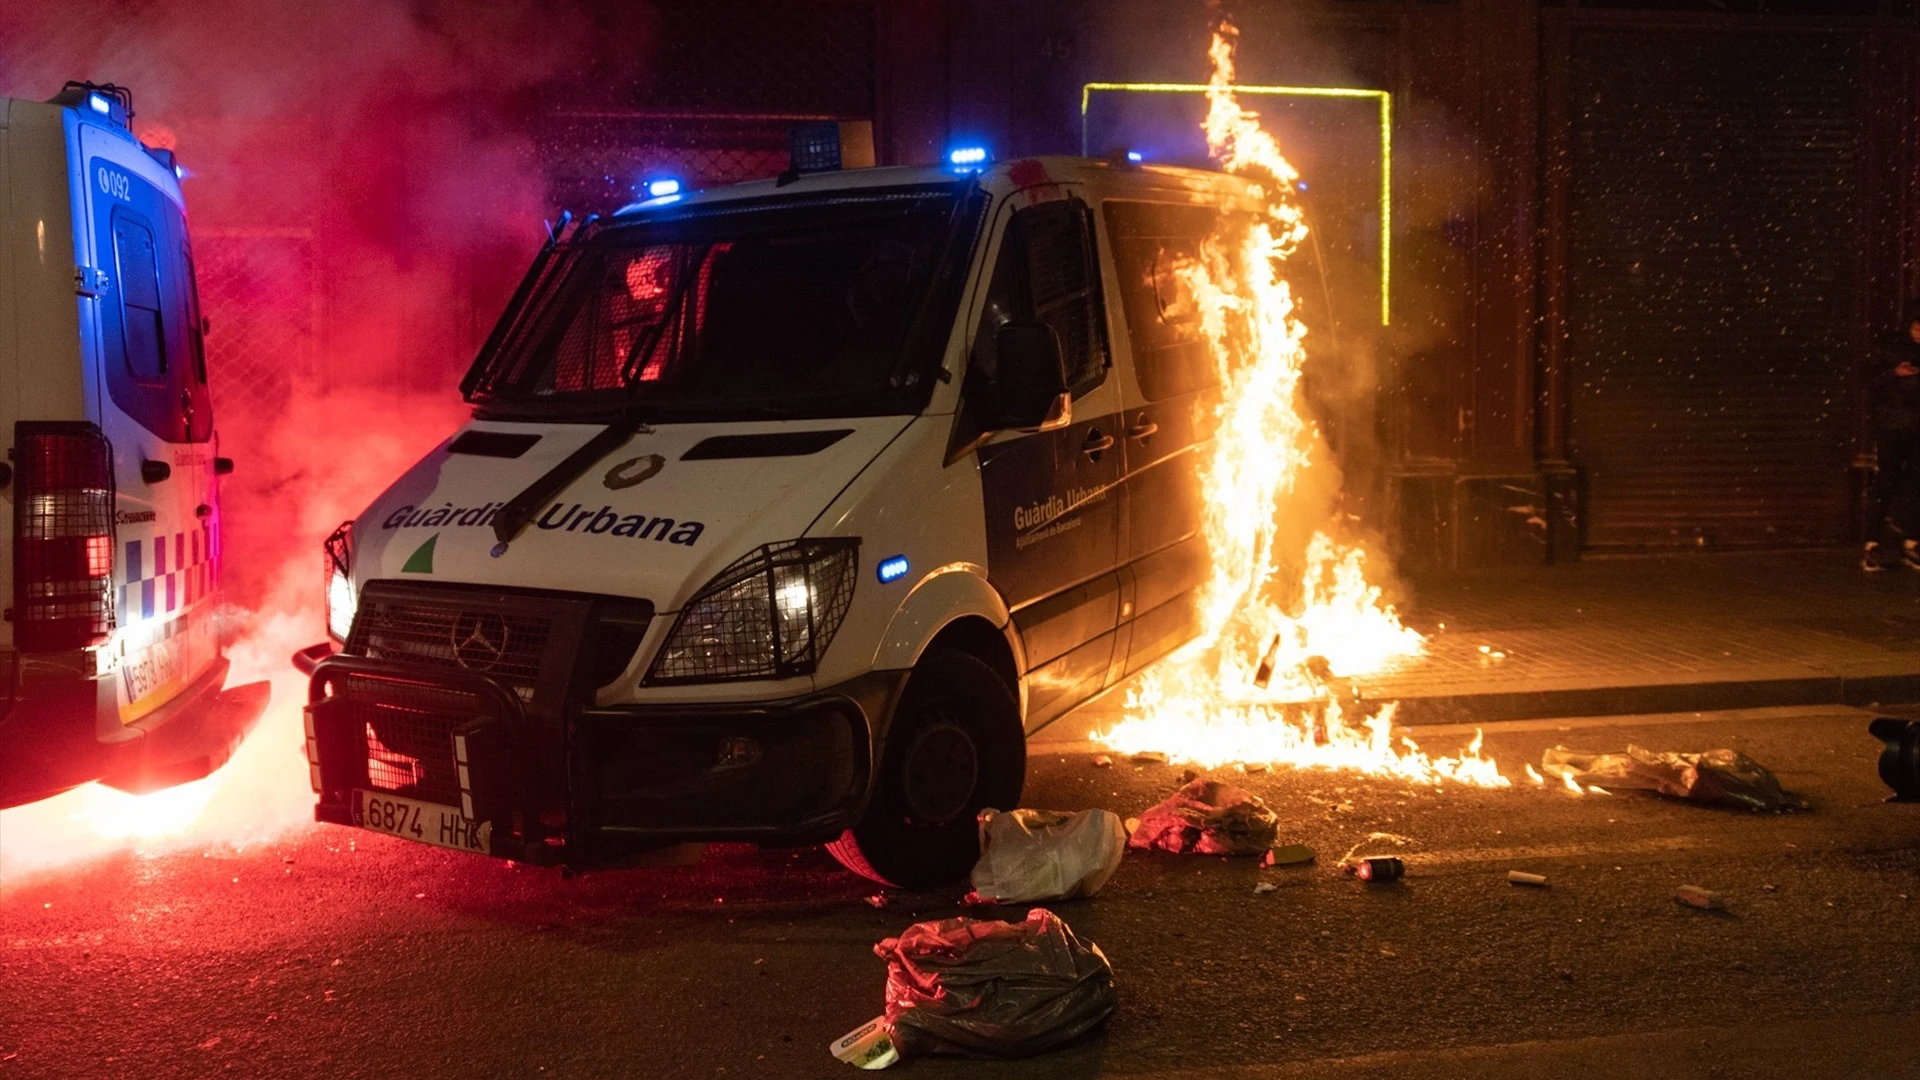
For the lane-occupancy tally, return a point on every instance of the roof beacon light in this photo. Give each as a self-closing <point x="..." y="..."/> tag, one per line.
<point x="967" y="157"/>
<point x="99" y="103"/>
<point x="892" y="569"/>
<point x="663" y="187"/>
<point x="1136" y="156"/>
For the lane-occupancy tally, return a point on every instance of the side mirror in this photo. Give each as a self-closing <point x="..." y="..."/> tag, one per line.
<point x="1030" y="384"/>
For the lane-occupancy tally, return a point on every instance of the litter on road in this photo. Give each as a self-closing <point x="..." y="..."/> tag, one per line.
<point x="1029" y="855"/>
<point x="1378" y="869"/>
<point x="1149" y="757"/>
<point x="1207" y="817"/>
<point x="979" y="988"/>
<point x="1714" y="778"/>
<point x="1101" y="761"/>
<point x="1287" y="855"/>
<point x="1521" y="877"/>
<point x="1264" y="888"/>
<point x="1696" y="897"/>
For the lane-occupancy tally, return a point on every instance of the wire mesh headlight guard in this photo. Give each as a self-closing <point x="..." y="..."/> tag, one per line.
<point x="769" y="615"/>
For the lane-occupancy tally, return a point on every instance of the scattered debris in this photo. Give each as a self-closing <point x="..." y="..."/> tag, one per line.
<point x="1102" y="761"/>
<point x="877" y="900"/>
<point x="1208" y="817"/>
<point x="993" y="989"/>
<point x="1696" y="897"/>
<point x="1132" y="825"/>
<point x="1392" y="838"/>
<point x="1715" y="778"/>
<point x="1188" y="776"/>
<point x="1028" y="855"/>
<point x="1378" y="869"/>
<point x="1564" y="973"/>
<point x="1521" y="877"/>
<point x="1253" y="766"/>
<point x="869" y="1046"/>
<point x="1148" y="757"/>
<point x="1287" y="855"/>
<point x="1900" y="761"/>
<point x="1264" y="888"/>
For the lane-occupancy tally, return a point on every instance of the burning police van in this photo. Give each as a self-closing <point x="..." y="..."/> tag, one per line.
<point x="785" y="513"/>
<point x="111" y="660"/>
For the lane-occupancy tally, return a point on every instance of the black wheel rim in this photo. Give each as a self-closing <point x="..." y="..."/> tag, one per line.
<point x="939" y="771"/>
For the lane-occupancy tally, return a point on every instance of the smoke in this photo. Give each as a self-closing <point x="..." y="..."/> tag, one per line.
<point x="386" y="146"/>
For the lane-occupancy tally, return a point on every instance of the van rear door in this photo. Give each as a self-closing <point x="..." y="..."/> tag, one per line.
<point x="150" y="398"/>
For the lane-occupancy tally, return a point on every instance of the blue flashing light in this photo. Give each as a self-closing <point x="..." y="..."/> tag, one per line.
<point x="661" y="188"/>
<point x="892" y="569"/>
<point x="1136" y="156"/>
<point x="1302" y="185"/>
<point x="99" y="103"/>
<point x="179" y="171"/>
<point x="967" y="155"/>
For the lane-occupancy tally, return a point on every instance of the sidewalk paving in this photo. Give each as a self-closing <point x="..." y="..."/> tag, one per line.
<point x="1638" y="634"/>
<point x="1643" y="634"/>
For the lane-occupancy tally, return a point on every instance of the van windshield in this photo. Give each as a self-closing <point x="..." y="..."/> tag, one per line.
<point x="831" y="305"/>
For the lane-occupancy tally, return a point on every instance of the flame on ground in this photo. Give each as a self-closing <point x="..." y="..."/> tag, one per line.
<point x="1286" y="616"/>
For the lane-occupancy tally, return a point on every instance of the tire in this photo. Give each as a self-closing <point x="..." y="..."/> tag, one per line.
<point x="954" y="747"/>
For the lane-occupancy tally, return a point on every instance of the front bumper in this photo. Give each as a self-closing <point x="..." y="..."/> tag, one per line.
<point x="594" y="787"/>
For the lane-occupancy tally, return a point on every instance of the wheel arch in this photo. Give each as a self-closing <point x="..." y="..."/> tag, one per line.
<point x="955" y="607"/>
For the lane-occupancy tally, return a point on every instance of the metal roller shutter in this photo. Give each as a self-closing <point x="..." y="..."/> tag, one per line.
<point x="1712" y="266"/>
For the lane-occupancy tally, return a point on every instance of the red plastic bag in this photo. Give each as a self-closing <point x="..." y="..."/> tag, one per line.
<point x="982" y="988"/>
<point x="1208" y="818"/>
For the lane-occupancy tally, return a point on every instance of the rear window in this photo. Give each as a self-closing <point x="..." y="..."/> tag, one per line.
<point x="143" y="331"/>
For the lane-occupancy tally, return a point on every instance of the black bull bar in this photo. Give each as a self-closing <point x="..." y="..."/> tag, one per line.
<point x="595" y="786"/>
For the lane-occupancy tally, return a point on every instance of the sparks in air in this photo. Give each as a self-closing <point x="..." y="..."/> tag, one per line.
<point x="1288" y="613"/>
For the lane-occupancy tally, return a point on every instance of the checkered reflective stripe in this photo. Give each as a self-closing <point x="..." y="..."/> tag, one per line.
<point x="166" y="574"/>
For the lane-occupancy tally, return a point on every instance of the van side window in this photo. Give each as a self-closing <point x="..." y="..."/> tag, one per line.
<point x="1151" y="243"/>
<point x="1047" y="271"/>
<point x="143" y="331"/>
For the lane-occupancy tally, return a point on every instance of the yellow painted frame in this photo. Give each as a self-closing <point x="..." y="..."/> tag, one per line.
<point x="1386" y="149"/>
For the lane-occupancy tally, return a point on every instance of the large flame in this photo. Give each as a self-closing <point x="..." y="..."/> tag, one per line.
<point x="1287" y="615"/>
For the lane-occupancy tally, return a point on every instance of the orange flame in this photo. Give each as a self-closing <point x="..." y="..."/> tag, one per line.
<point x="1286" y="616"/>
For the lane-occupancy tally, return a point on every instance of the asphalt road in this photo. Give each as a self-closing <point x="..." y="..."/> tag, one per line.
<point x="343" y="954"/>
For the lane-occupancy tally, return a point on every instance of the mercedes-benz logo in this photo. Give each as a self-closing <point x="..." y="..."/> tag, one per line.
<point x="479" y="640"/>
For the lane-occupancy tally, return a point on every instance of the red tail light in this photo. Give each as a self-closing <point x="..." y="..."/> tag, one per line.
<point x="63" y="537"/>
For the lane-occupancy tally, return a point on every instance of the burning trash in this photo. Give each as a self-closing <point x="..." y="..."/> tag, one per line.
<point x="1714" y="778"/>
<point x="1207" y="817"/>
<point x="1030" y="855"/>
<point x="984" y="989"/>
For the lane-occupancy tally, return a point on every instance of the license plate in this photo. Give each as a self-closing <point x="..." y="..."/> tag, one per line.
<point x="429" y="823"/>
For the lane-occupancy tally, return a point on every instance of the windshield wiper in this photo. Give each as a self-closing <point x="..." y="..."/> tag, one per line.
<point x="513" y="518"/>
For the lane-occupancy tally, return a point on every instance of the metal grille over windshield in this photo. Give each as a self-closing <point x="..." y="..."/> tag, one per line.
<point x="811" y="307"/>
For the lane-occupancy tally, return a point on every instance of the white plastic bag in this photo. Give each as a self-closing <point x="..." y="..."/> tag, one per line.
<point x="1029" y="855"/>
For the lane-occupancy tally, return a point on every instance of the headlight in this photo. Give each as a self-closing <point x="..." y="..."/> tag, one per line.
<point x="767" y="616"/>
<point x="341" y="601"/>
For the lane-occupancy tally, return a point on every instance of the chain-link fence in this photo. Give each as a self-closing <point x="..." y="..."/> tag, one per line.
<point x="258" y="291"/>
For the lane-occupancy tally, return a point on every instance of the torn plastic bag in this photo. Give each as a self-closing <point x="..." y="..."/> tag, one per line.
<point x="1028" y="855"/>
<point x="993" y="989"/>
<point x="1714" y="778"/>
<point x="1207" y="817"/>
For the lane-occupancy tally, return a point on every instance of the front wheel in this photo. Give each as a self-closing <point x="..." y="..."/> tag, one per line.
<point x="954" y="748"/>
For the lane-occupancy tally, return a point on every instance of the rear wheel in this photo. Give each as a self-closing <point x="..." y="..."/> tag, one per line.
<point x="955" y="747"/>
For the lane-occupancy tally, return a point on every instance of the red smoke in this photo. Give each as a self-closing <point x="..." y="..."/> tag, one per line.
<point x="385" y="145"/>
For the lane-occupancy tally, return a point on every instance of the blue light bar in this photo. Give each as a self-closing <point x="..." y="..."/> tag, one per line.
<point x="1136" y="156"/>
<point x="661" y="188"/>
<point x="967" y="155"/>
<point x="892" y="569"/>
<point x="98" y="103"/>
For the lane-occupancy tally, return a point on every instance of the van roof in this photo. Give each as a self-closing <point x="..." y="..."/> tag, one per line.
<point x="1104" y="178"/>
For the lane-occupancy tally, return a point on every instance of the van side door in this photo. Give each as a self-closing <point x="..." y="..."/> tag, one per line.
<point x="1169" y="419"/>
<point x="1054" y="503"/>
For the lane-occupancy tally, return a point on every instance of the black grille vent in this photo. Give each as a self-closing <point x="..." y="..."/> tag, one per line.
<point x="447" y="633"/>
<point x="777" y="444"/>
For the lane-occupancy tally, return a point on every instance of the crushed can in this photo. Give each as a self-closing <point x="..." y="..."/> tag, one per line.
<point x="1379" y="869"/>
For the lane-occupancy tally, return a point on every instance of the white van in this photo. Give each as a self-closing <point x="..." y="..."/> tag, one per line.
<point x="786" y="511"/>
<point x="111" y="659"/>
